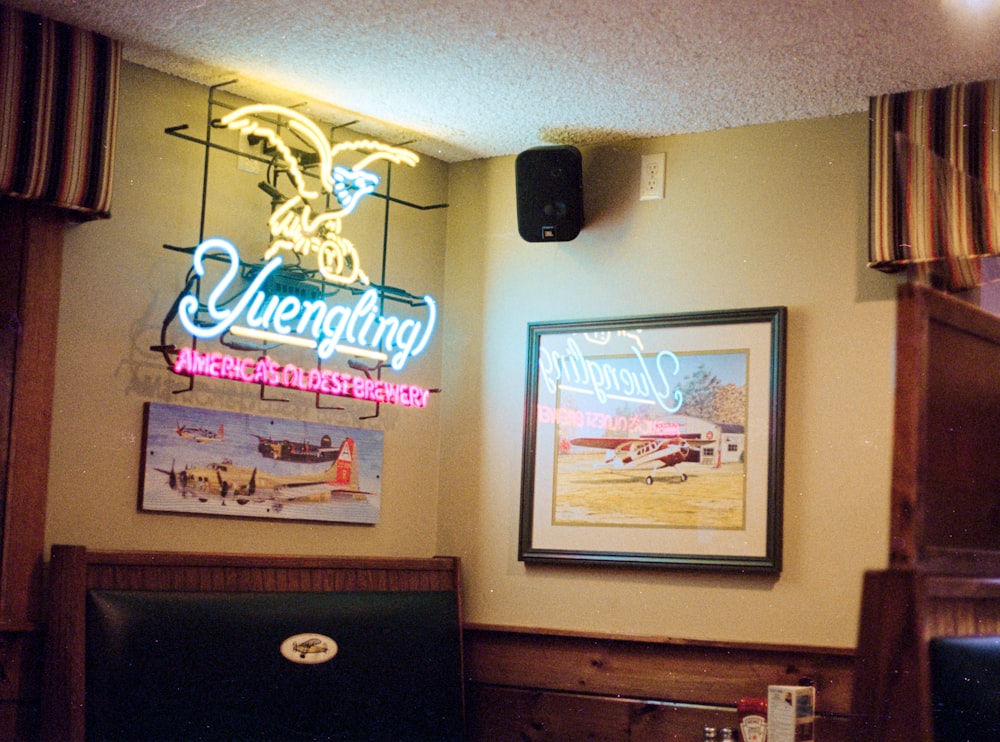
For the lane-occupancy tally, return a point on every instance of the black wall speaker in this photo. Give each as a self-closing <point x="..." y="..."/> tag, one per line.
<point x="549" y="184"/>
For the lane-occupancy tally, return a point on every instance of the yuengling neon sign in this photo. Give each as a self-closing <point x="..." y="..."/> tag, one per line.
<point x="245" y="303"/>
<point x="293" y="226"/>
<point x="359" y="329"/>
<point x="269" y="372"/>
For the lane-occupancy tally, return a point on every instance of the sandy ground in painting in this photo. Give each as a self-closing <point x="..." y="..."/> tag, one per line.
<point x="588" y="494"/>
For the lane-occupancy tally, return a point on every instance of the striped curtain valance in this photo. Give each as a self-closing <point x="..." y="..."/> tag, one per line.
<point x="58" y="108"/>
<point x="935" y="182"/>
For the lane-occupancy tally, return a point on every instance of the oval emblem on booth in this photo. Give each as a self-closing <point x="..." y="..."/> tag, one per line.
<point x="308" y="649"/>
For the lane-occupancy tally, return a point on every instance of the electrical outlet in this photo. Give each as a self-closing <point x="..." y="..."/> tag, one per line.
<point x="247" y="164"/>
<point x="651" y="177"/>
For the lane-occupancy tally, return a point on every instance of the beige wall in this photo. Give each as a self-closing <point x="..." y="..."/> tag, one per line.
<point x="760" y="216"/>
<point x="118" y="283"/>
<point x="752" y="217"/>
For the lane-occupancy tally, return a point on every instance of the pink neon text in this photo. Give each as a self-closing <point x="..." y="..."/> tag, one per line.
<point x="264" y="370"/>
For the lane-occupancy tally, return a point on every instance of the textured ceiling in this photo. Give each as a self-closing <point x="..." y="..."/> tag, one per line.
<point x="462" y="79"/>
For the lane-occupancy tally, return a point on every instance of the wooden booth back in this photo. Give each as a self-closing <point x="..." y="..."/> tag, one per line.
<point x="943" y="583"/>
<point x="154" y="645"/>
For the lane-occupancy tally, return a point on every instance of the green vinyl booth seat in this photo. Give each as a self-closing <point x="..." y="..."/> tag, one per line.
<point x="380" y="663"/>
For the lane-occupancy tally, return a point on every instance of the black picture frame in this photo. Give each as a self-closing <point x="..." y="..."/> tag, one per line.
<point x="655" y="441"/>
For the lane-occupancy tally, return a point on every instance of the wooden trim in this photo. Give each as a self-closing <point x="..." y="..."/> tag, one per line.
<point x="910" y="420"/>
<point x="523" y="680"/>
<point x="35" y="251"/>
<point x="63" y="679"/>
<point x="31" y="240"/>
<point x="221" y="559"/>
<point x="196" y="571"/>
<point x="603" y="636"/>
<point x="944" y="507"/>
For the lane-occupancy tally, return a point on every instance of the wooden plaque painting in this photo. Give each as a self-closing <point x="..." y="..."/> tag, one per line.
<point x="209" y="462"/>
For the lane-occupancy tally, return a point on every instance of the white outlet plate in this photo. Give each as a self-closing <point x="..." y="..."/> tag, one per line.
<point x="651" y="176"/>
<point x="247" y="164"/>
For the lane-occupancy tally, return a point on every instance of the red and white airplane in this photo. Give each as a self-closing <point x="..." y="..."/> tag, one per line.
<point x="644" y="454"/>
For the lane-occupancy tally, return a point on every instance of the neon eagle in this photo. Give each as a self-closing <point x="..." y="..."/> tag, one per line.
<point x="293" y="224"/>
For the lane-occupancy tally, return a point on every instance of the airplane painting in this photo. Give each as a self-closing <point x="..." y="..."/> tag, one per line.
<point x="241" y="484"/>
<point x="201" y="434"/>
<point x="337" y="480"/>
<point x="642" y="439"/>
<point x="653" y="455"/>
<point x="653" y="439"/>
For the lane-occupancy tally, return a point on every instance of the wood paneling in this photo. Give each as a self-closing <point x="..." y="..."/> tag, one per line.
<point x="945" y="515"/>
<point x="543" y="685"/>
<point x="31" y="248"/>
<point x="945" y="512"/>
<point x="902" y="609"/>
<point x="20" y="685"/>
<point x="112" y="570"/>
<point x="31" y="254"/>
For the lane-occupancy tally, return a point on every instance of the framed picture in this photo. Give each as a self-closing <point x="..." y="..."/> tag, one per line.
<point x="655" y="441"/>
<point x="209" y="462"/>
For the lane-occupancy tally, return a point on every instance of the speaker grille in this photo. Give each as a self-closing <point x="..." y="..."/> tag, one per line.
<point x="549" y="184"/>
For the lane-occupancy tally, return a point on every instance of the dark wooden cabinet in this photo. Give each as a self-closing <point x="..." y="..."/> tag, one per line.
<point x="944" y="551"/>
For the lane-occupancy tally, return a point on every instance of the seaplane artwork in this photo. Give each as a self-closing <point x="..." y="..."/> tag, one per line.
<point x="654" y="455"/>
<point x="229" y="482"/>
<point x="201" y="434"/>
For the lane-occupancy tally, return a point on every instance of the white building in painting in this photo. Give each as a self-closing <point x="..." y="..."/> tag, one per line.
<point x="721" y="443"/>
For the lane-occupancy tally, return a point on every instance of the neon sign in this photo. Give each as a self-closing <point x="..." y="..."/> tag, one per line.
<point x="269" y="372"/>
<point x="354" y="330"/>
<point x="241" y="303"/>
<point x="293" y="226"/>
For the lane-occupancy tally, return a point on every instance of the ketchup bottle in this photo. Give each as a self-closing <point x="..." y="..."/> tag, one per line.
<point x="753" y="719"/>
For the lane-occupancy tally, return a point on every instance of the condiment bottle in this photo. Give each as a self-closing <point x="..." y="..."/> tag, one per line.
<point x="753" y="719"/>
